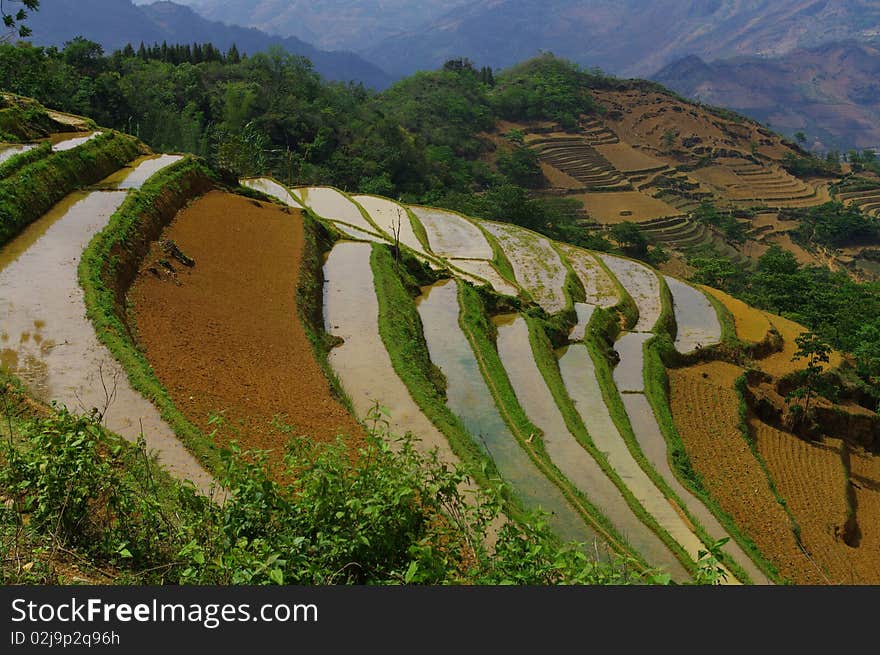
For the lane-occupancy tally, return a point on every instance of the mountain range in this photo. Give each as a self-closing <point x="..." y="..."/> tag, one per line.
<point x="330" y="24"/>
<point x="625" y="37"/>
<point x="830" y="93"/>
<point x="114" y="23"/>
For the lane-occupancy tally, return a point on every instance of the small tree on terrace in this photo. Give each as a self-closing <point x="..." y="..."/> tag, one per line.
<point x="812" y="348"/>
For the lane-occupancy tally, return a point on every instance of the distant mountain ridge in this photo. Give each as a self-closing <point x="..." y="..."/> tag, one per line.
<point x="626" y="37"/>
<point x="330" y="24"/>
<point x="831" y="93"/>
<point x="114" y="23"/>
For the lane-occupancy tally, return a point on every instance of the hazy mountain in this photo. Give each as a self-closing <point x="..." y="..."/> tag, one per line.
<point x="113" y="23"/>
<point x="626" y="37"/>
<point x="331" y="24"/>
<point x="831" y="92"/>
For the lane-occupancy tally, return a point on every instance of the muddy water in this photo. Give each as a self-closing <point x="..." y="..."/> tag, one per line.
<point x="387" y="214"/>
<point x="8" y="152"/>
<point x="695" y="317"/>
<point x="50" y="344"/>
<point x="470" y="399"/>
<point x="642" y="284"/>
<point x="564" y="450"/>
<point x="537" y="266"/>
<point x="600" y="290"/>
<point x="351" y="311"/>
<point x="584" y="314"/>
<point x="653" y="445"/>
<point x="70" y="140"/>
<point x="450" y="235"/>
<point x="334" y="206"/>
<point x="139" y="171"/>
<point x="272" y="188"/>
<point x="579" y="375"/>
<point x="485" y="270"/>
<point x="629" y="372"/>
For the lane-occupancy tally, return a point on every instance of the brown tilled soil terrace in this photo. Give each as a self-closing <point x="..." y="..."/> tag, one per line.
<point x="225" y="335"/>
<point x="705" y="408"/>
<point x="811" y="478"/>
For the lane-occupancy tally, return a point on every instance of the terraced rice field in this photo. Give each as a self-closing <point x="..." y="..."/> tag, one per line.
<point x="612" y="207"/>
<point x="629" y="372"/>
<point x="451" y="235"/>
<point x="751" y="325"/>
<point x="9" y="151"/>
<point x="391" y="217"/>
<point x="810" y="477"/>
<point x="584" y="314"/>
<point x="599" y="288"/>
<point x="642" y="284"/>
<point x="273" y="188"/>
<point x="780" y="363"/>
<point x="695" y="317"/>
<point x="139" y="171"/>
<point x="536" y="264"/>
<point x="485" y="270"/>
<point x="48" y="342"/>
<point x="351" y="312"/>
<point x="205" y="314"/>
<point x="705" y="409"/>
<point x="470" y="399"/>
<point x="68" y="141"/>
<point x="627" y="159"/>
<point x="334" y="206"/>
<point x="579" y="375"/>
<point x="563" y="449"/>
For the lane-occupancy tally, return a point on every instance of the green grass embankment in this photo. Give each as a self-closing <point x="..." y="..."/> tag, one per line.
<point x="32" y="190"/>
<point x="481" y="333"/>
<point x="400" y="328"/>
<point x="22" y="159"/>
<point x="548" y="365"/>
<point x="108" y="267"/>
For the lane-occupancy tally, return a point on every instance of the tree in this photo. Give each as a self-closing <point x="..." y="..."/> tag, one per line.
<point x="631" y="238"/>
<point x="812" y="348"/>
<point x="14" y="19"/>
<point x="801" y="137"/>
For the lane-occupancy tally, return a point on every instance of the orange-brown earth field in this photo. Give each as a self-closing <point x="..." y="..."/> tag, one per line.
<point x="225" y="336"/>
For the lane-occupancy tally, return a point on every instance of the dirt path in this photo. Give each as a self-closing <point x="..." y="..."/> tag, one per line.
<point x="226" y="337"/>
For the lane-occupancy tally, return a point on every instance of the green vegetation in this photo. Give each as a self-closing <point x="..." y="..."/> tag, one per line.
<point x="30" y="191"/>
<point x="22" y="159"/>
<point x="835" y="225"/>
<point x="107" y="268"/>
<point x="544" y="88"/>
<point x="79" y="498"/>
<point x="23" y="119"/>
<point x="727" y="222"/>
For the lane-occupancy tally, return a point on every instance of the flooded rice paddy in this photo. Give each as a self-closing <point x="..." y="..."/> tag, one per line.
<point x="695" y="317"/>
<point x="451" y="235"/>
<point x="642" y="284"/>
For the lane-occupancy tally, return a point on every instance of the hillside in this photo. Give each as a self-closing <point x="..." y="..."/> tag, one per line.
<point x="628" y="38"/>
<point x="829" y="93"/>
<point x="619" y="399"/>
<point x="115" y="23"/>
